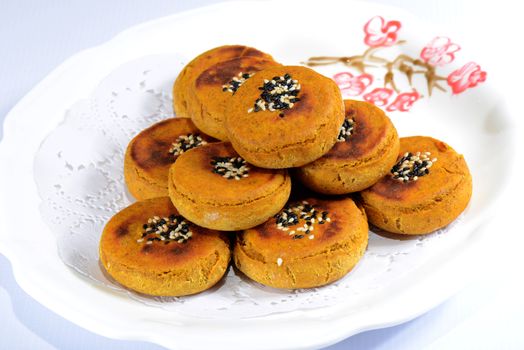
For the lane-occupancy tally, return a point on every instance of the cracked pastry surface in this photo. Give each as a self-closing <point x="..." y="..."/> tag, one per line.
<point x="363" y="153"/>
<point x="215" y="188"/>
<point x="420" y="204"/>
<point x="285" y="117"/>
<point x="310" y="243"/>
<point x="138" y="253"/>
<point x="150" y="154"/>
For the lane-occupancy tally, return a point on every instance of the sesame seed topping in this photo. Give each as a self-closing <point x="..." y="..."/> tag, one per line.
<point x="236" y="82"/>
<point x="303" y="216"/>
<point x="346" y="130"/>
<point x="411" y="166"/>
<point x="279" y="261"/>
<point x="167" y="229"/>
<point x="186" y="142"/>
<point x="277" y="94"/>
<point x="230" y="167"/>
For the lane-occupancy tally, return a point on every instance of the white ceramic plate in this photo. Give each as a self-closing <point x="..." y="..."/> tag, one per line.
<point x="473" y="121"/>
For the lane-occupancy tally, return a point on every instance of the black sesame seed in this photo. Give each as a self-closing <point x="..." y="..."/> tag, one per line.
<point x="411" y="167"/>
<point x="186" y="142"/>
<point x="235" y="82"/>
<point x="292" y="214"/>
<point x="230" y="167"/>
<point x="160" y="230"/>
<point x="276" y="95"/>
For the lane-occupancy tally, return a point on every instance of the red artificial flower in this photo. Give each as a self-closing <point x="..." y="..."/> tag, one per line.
<point x="403" y="102"/>
<point x="466" y="77"/>
<point x="381" y="33"/>
<point x="378" y="96"/>
<point x="352" y="85"/>
<point x="439" y="51"/>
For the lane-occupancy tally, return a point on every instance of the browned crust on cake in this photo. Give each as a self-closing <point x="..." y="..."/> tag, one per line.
<point x="360" y="161"/>
<point x="182" y="88"/>
<point x="158" y="268"/>
<point x="272" y="257"/>
<point x="147" y="159"/>
<point x="213" y="201"/>
<point x="290" y="137"/>
<point x="431" y="202"/>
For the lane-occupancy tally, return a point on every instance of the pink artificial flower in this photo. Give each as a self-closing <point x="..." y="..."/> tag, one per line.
<point x="351" y="85"/>
<point x="403" y="102"/>
<point x="378" y="96"/>
<point x="381" y="33"/>
<point x="466" y="77"/>
<point x="439" y="51"/>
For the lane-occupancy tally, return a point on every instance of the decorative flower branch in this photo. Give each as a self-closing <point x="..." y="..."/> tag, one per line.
<point x="402" y="63"/>
<point x="380" y="34"/>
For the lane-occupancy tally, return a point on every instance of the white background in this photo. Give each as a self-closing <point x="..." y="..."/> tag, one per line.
<point x="36" y="36"/>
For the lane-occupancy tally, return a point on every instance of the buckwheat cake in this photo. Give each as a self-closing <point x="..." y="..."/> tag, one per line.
<point x="214" y="88"/>
<point x="428" y="188"/>
<point x="366" y="149"/>
<point x="184" y="83"/>
<point x="150" y="154"/>
<point x="216" y="188"/>
<point x="310" y="243"/>
<point x="284" y="117"/>
<point x="150" y="248"/>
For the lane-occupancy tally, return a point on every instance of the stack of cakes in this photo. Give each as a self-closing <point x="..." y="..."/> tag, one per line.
<point x="269" y="164"/>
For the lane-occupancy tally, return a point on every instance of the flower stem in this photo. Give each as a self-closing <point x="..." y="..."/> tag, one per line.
<point x="402" y="63"/>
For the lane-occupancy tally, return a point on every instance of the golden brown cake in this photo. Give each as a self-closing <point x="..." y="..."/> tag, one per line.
<point x="184" y="84"/>
<point x="429" y="186"/>
<point x="215" y="87"/>
<point x="285" y="117"/>
<point x="366" y="149"/>
<point x="215" y="188"/>
<point x="150" y="154"/>
<point x="308" y="244"/>
<point x="150" y="248"/>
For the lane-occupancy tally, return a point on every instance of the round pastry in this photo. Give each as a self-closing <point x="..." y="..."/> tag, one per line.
<point x="215" y="188"/>
<point x="366" y="149"/>
<point x="215" y="87"/>
<point x="308" y="244"/>
<point x="150" y="154"/>
<point x="285" y="116"/>
<point x="184" y="83"/>
<point x="428" y="187"/>
<point x="150" y="248"/>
